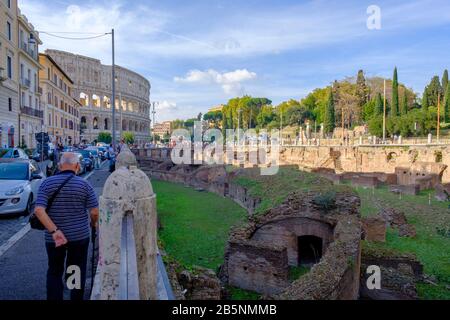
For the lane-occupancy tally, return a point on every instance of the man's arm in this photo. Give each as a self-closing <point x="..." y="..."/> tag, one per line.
<point x="57" y="235"/>
<point x="43" y="217"/>
<point x="94" y="217"/>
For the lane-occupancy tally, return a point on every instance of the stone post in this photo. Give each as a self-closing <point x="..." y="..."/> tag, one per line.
<point x="430" y="138"/>
<point x="128" y="191"/>
<point x="360" y="140"/>
<point x="400" y="140"/>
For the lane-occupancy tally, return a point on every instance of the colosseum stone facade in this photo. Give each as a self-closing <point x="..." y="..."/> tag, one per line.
<point x="93" y="87"/>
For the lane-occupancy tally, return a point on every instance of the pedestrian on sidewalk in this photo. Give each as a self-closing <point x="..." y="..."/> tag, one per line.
<point x="67" y="225"/>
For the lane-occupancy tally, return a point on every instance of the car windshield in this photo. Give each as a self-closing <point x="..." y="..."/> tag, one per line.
<point x="13" y="171"/>
<point x="6" y="153"/>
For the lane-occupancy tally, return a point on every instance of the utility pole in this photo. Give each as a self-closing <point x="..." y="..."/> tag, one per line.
<point x="384" y="112"/>
<point x="438" y="117"/>
<point x="281" y="124"/>
<point x="343" y="126"/>
<point x="113" y="102"/>
<point x="153" y="113"/>
<point x="120" y="108"/>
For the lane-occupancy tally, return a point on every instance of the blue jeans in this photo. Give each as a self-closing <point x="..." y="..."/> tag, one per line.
<point x="73" y="253"/>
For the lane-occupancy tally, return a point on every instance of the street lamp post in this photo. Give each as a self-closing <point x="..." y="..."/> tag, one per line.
<point x="384" y="112"/>
<point x="153" y="122"/>
<point x="113" y="102"/>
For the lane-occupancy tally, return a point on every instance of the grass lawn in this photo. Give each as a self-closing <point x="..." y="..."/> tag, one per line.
<point x="431" y="247"/>
<point x="195" y="224"/>
<point x="273" y="190"/>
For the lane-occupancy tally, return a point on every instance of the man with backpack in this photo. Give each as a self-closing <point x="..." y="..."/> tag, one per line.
<point x="62" y="207"/>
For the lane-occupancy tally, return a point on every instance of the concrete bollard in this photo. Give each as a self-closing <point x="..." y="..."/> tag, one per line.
<point x="430" y="138"/>
<point x="128" y="191"/>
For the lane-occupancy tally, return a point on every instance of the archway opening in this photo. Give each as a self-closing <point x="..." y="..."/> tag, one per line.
<point x="309" y="250"/>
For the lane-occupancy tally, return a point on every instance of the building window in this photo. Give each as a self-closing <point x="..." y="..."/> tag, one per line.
<point x="9" y="66"/>
<point x="8" y="30"/>
<point x="10" y="104"/>
<point x="49" y="98"/>
<point x="49" y="119"/>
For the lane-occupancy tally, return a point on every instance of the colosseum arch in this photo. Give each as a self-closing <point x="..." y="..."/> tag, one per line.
<point x="83" y="122"/>
<point x="106" y="124"/>
<point x="107" y="102"/>
<point x="96" y="102"/>
<point x="124" y="125"/>
<point x="95" y="123"/>
<point x="84" y="99"/>
<point x="136" y="127"/>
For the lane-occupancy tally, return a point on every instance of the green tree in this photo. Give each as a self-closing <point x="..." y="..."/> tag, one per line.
<point x="395" y="100"/>
<point x="445" y="81"/>
<point x="404" y="105"/>
<point x="433" y="90"/>
<point x="329" y="116"/>
<point x="361" y="91"/>
<point x="379" y="107"/>
<point x="425" y="102"/>
<point x="375" y="126"/>
<point x="266" y="116"/>
<point x="104" y="137"/>
<point x="128" y="137"/>
<point x="446" y="106"/>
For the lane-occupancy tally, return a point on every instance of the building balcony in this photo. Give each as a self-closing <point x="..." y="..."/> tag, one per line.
<point x="32" y="112"/>
<point x="29" y="50"/>
<point x="25" y="83"/>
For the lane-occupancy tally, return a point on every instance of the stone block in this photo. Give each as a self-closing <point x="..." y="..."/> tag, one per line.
<point x="412" y="189"/>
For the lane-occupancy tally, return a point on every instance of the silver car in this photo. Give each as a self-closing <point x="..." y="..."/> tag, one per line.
<point x="19" y="184"/>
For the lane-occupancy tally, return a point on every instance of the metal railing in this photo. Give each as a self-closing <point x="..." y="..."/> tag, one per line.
<point x="32" y="112"/>
<point x="25" y="82"/>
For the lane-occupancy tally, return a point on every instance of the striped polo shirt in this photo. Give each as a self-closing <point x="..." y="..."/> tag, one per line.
<point x="69" y="211"/>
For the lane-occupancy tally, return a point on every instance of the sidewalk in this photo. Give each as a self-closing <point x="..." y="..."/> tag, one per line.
<point x="24" y="266"/>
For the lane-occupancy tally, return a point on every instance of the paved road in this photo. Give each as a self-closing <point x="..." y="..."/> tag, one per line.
<point x="24" y="265"/>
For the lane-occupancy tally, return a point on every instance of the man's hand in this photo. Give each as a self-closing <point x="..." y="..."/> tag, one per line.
<point x="59" y="238"/>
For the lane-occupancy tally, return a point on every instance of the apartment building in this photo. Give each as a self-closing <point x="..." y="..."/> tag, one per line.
<point x="161" y="129"/>
<point x="31" y="113"/>
<point x="61" y="109"/>
<point x="9" y="78"/>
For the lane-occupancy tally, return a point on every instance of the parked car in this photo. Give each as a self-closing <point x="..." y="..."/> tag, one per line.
<point x="19" y="184"/>
<point x="13" y="153"/>
<point x="88" y="159"/>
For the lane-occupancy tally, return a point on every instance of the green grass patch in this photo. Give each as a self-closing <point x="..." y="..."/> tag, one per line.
<point x="273" y="190"/>
<point x="430" y="246"/>
<point x="241" y="294"/>
<point x="195" y="224"/>
<point x="296" y="272"/>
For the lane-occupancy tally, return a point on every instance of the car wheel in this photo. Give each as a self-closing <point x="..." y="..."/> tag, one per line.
<point x="29" y="206"/>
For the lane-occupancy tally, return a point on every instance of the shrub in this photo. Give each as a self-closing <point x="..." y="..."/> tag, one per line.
<point x="325" y="201"/>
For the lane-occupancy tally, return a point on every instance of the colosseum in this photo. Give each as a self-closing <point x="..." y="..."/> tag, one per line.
<point x="93" y="87"/>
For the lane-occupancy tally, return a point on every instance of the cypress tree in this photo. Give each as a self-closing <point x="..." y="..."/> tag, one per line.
<point x="445" y="81"/>
<point x="425" y="102"/>
<point x="404" y="105"/>
<point x="329" y="117"/>
<point x="379" y="105"/>
<point x="446" y="106"/>
<point x="395" y="101"/>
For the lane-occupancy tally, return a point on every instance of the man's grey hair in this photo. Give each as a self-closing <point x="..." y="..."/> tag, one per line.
<point x="68" y="158"/>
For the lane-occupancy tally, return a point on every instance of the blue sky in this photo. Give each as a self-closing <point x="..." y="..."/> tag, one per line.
<point x="198" y="54"/>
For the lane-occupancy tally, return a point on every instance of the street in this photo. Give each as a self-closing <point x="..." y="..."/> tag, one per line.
<point x="23" y="259"/>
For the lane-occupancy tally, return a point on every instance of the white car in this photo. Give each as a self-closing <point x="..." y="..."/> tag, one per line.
<point x="19" y="184"/>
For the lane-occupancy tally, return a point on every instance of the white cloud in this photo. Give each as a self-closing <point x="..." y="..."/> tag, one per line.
<point x="167" y="106"/>
<point x="229" y="81"/>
